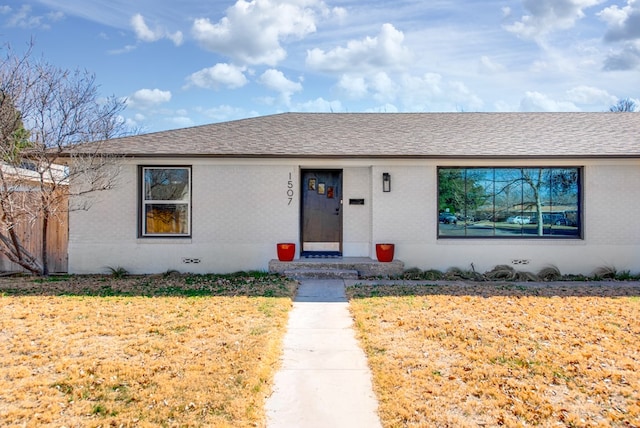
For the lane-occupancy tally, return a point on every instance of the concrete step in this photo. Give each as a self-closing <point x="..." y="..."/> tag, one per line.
<point x="321" y="273"/>
<point x="364" y="266"/>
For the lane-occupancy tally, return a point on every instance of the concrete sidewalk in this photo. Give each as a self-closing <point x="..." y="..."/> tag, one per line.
<point x="324" y="380"/>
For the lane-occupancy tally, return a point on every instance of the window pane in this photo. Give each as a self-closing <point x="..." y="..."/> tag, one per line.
<point x="540" y="214"/>
<point x="508" y="206"/>
<point x="480" y="202"/>
<point x="564" y="193"/>
<point x="166" y="219"/>
<point x="166" y="184"/>
<point x="451" y="197"/>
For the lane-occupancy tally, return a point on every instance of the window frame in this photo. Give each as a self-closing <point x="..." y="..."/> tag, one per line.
<point x="143" y="202"/>
<point x="579" y="202"/>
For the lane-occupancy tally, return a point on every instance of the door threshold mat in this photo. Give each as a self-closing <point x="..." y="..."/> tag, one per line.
<point x="322" y="255"/>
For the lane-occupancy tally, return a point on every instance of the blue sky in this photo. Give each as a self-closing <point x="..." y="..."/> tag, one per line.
<point x="193" y="62"/>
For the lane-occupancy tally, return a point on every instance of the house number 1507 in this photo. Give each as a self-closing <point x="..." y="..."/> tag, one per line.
<point x="290" y="189"/>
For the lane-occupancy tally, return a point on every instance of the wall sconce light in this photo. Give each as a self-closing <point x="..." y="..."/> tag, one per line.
<point x="386" y="182"/>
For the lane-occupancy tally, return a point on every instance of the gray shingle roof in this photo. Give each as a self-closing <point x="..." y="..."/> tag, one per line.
<point x="503" y="135"/>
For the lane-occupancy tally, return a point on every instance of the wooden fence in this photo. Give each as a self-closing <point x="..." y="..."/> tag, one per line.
<point x="31" y="237"/>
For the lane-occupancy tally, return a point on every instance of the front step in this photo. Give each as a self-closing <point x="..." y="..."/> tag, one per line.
<point x="362" y="267"/>
<point x="321" y="273"/>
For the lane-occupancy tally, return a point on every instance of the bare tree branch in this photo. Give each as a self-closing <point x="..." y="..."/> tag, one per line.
<point x="625" y="105"/>
<point x="45" y="111"/>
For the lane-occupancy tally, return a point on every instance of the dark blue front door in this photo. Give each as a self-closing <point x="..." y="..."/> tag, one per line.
<point x="321" y="212"/>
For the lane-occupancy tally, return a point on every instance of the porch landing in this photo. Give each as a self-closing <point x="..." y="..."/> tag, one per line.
<point x="336" y="267"/>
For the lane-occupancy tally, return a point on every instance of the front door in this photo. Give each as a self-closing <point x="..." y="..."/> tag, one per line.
<point x="321" y="212"/>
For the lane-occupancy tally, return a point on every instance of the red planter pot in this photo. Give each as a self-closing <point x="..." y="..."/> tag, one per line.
<point x="384" y="252"/>
<point x="286" y="251"/>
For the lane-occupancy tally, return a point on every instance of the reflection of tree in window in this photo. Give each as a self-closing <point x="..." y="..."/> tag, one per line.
<point x="166" y="184"/>
<point x="457" y="191"/>
<point x="166" y="218"/>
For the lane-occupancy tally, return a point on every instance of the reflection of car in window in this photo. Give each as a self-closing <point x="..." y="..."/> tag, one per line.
<point x="557" y="219"/>
<point x="519" y="220"/>
<point x="447" y="218"/>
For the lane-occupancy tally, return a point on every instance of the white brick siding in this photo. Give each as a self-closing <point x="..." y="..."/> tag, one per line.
<point x="240" y="210"/>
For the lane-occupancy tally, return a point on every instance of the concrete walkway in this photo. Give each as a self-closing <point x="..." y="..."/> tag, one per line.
<point x="324" y="380"/>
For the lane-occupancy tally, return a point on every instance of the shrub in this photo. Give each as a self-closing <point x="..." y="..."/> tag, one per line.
<point x="427" y="275"/>
<point x="501" y="272"/>
<point x="455" y="273"/>
<point x="118" y="272"/>
<point x="605" y="272"/>
<point x="550" y="273"/>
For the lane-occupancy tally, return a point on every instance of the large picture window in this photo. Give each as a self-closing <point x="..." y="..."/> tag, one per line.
<point x="509" y="202"/>
<point x="166" y="201"/>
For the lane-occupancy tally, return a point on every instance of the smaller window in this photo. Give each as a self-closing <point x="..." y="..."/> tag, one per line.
<point x="166" y="201"/>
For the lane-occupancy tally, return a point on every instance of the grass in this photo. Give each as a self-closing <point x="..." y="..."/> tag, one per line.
<point x="168" y="350"/>
<point x="202" y="350"/>
<point x="502" y="354"/>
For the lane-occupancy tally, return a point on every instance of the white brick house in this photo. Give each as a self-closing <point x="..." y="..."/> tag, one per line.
<point x="217" y="198"/>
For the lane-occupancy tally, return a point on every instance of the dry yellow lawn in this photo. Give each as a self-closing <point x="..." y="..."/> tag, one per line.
<point x="502" y="354"/>
<point x="187" y="352"/>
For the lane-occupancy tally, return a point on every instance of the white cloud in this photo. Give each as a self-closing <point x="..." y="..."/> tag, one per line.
<point x="463" y="97"/>
<point x="123" y="50"/>
<point x="143" y="32"/>
<point x="225" y="112"/>
<point x="268" y="101"/>
<point x="386" y="108"/>
<point x="615" y="16"/>
<point x="276" y="81"/>
<point x="627" y="58"/>
<point x="177" y="38"/>
<point x="24" y="18"/>
<point x="135" y="122"/>
<point x="589" y="95"/>
<point x="431" y="92"/>
<point x="148" y="98"/>
<point x="623" y="27"/>
<point x="385" y="88"/>
<point x="339" y="13"/>
<point x="55" y="16"/>
<point x="487" y="66"/>
<point x="181" y="121"/>
<point x="502" y="106"/>
<point x="146" y="34"/>
<point x="320" y="105"/>
<point x="252" y="31"/>
<point x="547" y="16"/>
<point x="221" y="74"/>
<point x="535" y="101"/>
<point x="385" y="51"/>
<point x="131" y="123"/>
<point x="623" y="23"/>
<point x="354" y="87"/>
<point x="427" y="86"/>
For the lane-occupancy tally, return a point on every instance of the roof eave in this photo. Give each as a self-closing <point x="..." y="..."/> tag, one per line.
<point x="376" y="156"/>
